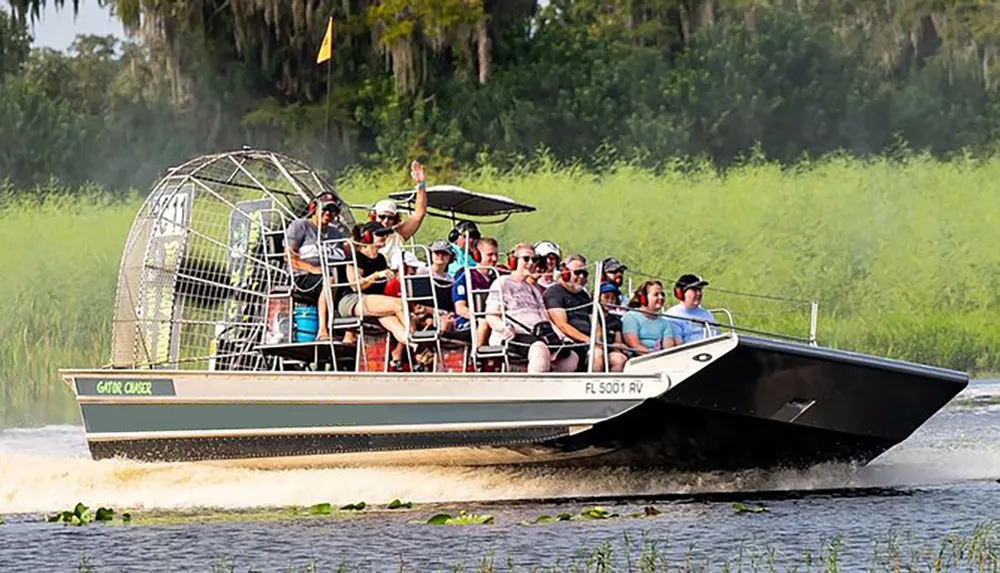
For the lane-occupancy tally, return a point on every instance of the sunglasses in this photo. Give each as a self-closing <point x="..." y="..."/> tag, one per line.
<point x="385" y="217"/>
<point x="581" y="273"/>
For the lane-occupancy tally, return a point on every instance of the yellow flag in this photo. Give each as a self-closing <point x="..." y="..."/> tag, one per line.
<point x="326" y="49"/>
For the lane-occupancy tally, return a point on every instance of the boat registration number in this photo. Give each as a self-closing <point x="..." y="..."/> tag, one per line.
<point x="614" y="387"/>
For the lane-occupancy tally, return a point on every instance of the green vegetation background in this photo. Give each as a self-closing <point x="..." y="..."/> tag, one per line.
<point x="901" y="255"/>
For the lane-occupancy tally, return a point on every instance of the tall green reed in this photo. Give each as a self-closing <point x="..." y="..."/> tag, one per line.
<point x="898" y="253"/>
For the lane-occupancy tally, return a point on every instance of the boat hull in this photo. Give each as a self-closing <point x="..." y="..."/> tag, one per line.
<point x="724" y="404"/>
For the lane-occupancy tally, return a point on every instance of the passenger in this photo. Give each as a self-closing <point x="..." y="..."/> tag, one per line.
<point x="550" y="252"/>
<point x="688" y="317"/>
<point x="303" y="236"/>
<point x="372" y="274"/>
<point x="644" y="328"/>
<point x="441" y="257"/>
<point x="524" y="308"/>
<point x="481" y="276"/>
<point x="386" y="212"/>
<point x="610" y="298"/>
<point x="614" y="273"/>
<point x="464" y="235"/>
<point x="570" y="308"/>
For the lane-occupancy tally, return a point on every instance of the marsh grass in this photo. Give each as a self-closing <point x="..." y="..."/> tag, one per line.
<point x="900" y="254"/>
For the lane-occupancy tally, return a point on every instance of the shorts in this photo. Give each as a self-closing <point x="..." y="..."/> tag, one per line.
<point x="307" y="289"/>
<point x="348" y="302"/>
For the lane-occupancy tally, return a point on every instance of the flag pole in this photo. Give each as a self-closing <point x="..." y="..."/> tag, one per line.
<point x="326" y="137"/>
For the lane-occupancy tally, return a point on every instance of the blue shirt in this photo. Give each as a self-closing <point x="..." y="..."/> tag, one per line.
<point x="461" y="260"/>
<point x="651" y="330"/>
<point x="686" y="330"/>
<point x="459" y="293"/>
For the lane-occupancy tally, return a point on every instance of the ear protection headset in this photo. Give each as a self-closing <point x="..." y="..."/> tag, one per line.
<point x="564" y="273"/>
<point x="463" y="228"/>
<point x="641" y="296"/>
<point x="678" y="293"/>
<point x="367" y="237"/>
<point x="511" y="261"/>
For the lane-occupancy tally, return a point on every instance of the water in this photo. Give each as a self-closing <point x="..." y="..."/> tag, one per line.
<point x="940" y="481"/>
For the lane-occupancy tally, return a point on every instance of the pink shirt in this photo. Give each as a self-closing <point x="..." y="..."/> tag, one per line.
<point x="521" y="301"/>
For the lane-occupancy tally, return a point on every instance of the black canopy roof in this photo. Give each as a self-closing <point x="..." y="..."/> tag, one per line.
<point x="451" y="199"/>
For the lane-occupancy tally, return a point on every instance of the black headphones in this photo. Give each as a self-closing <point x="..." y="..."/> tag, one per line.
<point x="463" y="228"/>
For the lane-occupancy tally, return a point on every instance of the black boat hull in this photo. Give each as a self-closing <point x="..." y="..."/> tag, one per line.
<point x="772" y="404"/>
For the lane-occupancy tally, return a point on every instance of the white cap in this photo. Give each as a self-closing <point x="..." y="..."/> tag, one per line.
<point x="408" y="258"/>
<point x="546" y="248"/>
<point x="385" y="206"/>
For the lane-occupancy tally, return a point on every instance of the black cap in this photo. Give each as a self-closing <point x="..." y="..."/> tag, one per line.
<point x="375" y="228"/>
<point x="468" y="227"/>
<point x="690" y="281"/>
<point x="613" y="265"/>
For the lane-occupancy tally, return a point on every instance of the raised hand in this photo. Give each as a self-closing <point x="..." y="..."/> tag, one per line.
<point x="417" y="172"/>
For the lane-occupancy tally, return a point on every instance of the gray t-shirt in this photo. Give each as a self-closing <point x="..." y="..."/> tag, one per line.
<point x="301" y="234"/>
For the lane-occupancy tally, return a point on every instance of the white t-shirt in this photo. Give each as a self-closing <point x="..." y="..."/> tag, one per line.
<point x="393" y="250"/>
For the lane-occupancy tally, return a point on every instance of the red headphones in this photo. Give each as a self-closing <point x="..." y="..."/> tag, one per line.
<point x="678" y="293"/>
<point x="511" y="262"/>
<point x="476" y="256"/>
<point x="640" y="295"/>
<point x="367" y="237"/>
<point x="565" y="274"/>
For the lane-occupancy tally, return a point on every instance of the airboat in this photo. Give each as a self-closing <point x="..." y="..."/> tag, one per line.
<point x="208" y="363"/>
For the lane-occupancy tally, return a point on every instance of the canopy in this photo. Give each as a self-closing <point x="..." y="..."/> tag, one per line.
<point x="456" y="201"/>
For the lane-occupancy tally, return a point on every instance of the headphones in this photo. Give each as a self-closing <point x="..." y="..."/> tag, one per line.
<point x="564" y="273"/>
<point x="463" y="228"/>
<point x="511" y="262"/>
<point x="640" y="296"/>
<point x="367" y="237"/>
<point x="678" y="293"/>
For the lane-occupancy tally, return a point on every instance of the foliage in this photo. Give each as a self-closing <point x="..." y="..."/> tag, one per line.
<point x="452" y="80"/>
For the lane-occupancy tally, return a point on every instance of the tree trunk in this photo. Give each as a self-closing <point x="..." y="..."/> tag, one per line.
<point x="483" y="45"/>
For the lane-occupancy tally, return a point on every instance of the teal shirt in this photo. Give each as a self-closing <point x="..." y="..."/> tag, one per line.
<point x="461" y="260"/>
<point x="651" y="330"/>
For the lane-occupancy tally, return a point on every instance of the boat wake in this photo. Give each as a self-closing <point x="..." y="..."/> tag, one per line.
<point x="49" y="468"/>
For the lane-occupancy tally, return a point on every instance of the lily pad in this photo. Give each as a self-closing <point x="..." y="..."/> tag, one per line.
<point x="463" y="518"/>
<point x="354" y="506"/>
<point x="740" y="507"/>
<point x="439" y="519"/>
<point x="397" y="504"/>
<point x="597" y="513"/>
<point x="321" y="509"/>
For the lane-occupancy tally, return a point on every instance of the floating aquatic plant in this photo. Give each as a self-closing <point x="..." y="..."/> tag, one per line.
<point x="463" y="518"/>
<point x="81" y="515"/>
<point x="354" y="506"/>
<point x="597" y="513"/>
<point x="397" y="504"/>
<point x="321" y="509"/>
<point x="740" y="507"/>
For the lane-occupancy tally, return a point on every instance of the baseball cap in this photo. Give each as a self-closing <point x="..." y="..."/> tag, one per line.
<point x="440" y="245"/>
<point x="385" y="206"/>
<point x="609" y="287"/>
<point x="376" y="228"/>
<point x="613" y="265"/>
<point x="546" y="248"/>
<point x="690" y="281"/>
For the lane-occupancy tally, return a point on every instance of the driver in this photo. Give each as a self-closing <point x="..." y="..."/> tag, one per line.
<point x="303" y="239"/>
